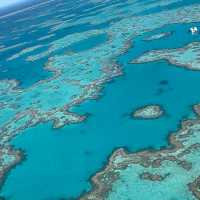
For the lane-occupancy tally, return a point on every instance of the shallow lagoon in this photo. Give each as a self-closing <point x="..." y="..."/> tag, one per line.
<point x="60" y="162"/>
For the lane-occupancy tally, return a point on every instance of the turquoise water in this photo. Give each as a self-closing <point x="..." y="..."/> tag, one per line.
<point x="28" y="73"/>
<point x="89" y="43"/>
<point x="60" y="162"/>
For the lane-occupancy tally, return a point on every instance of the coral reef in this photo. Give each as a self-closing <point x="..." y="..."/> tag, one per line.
<point x="187" y="57"/>
<point x="148" y="112"/>
<point x="169" y="173"/>
<point x="76" y="76"/>
<point x="158" y="36"/>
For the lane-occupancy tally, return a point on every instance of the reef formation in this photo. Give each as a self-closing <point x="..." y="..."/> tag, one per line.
<point x="77" y="76"/>
<point x="148" y="112"/>
<point x="169" y="173"/>
<point x="158" y="36"/>
<point x="187" y="57"/>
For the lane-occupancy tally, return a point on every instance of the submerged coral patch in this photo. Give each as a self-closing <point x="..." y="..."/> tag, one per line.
<point x="148" y="112"/>
<point x="187" y="57"/>
<point x="158" y="36"/>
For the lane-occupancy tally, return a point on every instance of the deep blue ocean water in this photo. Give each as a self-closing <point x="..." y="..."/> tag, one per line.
<point x="60" y="162"/>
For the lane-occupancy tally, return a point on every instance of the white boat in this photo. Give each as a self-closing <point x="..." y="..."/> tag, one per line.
<point x="194" y="30"/>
